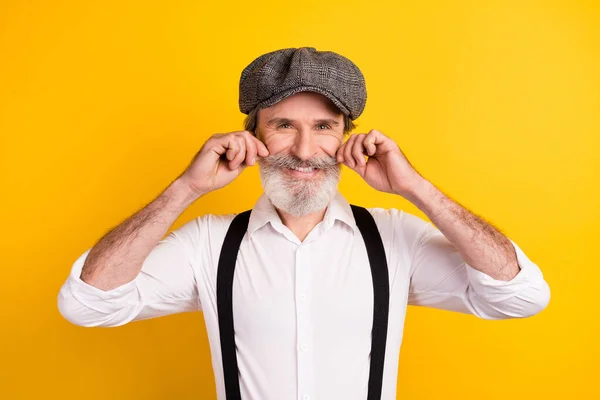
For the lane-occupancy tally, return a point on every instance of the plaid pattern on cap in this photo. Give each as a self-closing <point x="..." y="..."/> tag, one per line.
<point x="276" y="75"/>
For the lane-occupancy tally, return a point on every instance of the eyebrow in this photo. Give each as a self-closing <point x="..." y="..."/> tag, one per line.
<point x="279" y="121"/>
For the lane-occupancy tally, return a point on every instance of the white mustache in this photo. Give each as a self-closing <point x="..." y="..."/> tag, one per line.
<point x="290" y="161"/>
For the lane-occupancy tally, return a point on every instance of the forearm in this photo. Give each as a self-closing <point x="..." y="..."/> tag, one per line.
<point x="481" y="245"/>
<point x="118" y="257"/>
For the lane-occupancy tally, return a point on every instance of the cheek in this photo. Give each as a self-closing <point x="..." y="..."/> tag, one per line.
<point x="278" y="146"/>
<point x="329" y="145"/>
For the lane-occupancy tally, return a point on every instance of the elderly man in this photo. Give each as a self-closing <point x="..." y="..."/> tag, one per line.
<point x="304" y="296"/>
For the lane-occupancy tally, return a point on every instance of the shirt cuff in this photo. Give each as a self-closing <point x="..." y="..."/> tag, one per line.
<point x="495" y="290"/>
<point x="97" y="299"/>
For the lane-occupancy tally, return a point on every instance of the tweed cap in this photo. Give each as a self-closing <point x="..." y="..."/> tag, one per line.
<point x="276" y="75"/>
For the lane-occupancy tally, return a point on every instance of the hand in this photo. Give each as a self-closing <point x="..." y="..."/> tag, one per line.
<point x="222" y="159"/>
<point x="387" y="169"/>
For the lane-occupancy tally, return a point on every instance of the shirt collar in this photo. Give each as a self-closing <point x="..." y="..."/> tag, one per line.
<point x="264" y="212"/>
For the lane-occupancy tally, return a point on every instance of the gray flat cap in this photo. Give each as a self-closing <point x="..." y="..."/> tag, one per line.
<point x="276" y="75"/>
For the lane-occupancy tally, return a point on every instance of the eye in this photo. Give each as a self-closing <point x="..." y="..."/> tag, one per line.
<point x="323" y="126"/>
<point x="285" y="126"/>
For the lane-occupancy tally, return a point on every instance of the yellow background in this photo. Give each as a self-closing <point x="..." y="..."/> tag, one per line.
<point x="103" y="103"/>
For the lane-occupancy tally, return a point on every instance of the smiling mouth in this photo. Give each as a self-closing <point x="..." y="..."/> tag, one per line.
<point x="307" y="169"/>
<point x="303" y="172"/>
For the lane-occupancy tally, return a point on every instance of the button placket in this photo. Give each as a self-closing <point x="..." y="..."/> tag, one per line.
<point x="303" y="322"/>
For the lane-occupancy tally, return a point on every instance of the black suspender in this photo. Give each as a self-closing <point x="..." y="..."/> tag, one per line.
<point x="381" y="294"/>
<point x="226" y="268"/>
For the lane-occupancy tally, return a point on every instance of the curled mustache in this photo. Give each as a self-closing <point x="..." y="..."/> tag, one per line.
<point x="291" y="161"/>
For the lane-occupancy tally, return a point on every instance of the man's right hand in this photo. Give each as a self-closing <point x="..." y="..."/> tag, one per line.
<point x="221" y="159"/>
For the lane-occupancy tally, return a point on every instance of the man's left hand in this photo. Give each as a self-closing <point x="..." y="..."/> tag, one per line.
<point x="387" y="169"/>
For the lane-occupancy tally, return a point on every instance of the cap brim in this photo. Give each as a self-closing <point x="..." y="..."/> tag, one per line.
<point x="287" y="93"/>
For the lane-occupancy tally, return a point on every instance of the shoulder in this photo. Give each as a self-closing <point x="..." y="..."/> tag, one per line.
<point x="202" y="238"/>
<point x="399" y="224"/>
<point x="391" y="215"/>
<point x="203" y="231"/>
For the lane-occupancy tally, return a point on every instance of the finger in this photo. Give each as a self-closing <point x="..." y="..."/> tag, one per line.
<point x="215" y="144"/>
<point x="250" y="150"/>
<point x="370" y="142"/>
<point x="240" y="154"/>
<point x="348" y="159"/>
<point x="339" y="156"/>
<point x="231" y="147"/>
<point x="261" y="149"/>
<point x="358" y="150"/>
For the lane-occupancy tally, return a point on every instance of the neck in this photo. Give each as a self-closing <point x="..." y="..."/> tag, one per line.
<point x="301" y="226"/>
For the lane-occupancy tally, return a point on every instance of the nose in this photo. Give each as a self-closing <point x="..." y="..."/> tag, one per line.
<point x="305" y="145"/>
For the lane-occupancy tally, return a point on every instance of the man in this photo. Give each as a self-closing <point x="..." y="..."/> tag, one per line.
<point x="303" y="293"/>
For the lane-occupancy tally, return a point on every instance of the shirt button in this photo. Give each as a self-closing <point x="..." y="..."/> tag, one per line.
<point x="302" y="297"/>
<point x="305" y="397"/>
<point x="304" y="347"/>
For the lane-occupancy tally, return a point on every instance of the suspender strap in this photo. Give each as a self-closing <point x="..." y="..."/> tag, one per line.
<point x="226" y="268"/>
<point x="381" y="297"/>
<point x="381" y="293"/>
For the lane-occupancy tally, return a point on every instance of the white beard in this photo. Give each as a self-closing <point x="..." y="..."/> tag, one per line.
<point x="299" y="196"/>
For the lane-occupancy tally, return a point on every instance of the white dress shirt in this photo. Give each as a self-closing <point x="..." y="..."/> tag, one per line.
<point x="303" y="310"/>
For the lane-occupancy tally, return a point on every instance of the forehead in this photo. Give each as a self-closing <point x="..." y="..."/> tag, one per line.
<point x="303" y="105"/>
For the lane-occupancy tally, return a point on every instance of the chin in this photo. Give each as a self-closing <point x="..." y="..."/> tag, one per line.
<point x="300" y="198"/>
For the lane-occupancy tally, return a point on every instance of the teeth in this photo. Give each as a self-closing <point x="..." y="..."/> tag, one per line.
<point x="304" y="169"/>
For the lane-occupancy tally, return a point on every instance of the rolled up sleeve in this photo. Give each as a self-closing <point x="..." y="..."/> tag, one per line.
<point x="524" y="295"/>
<point x="440" y="278"/>
<point x="165" y="285"/>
